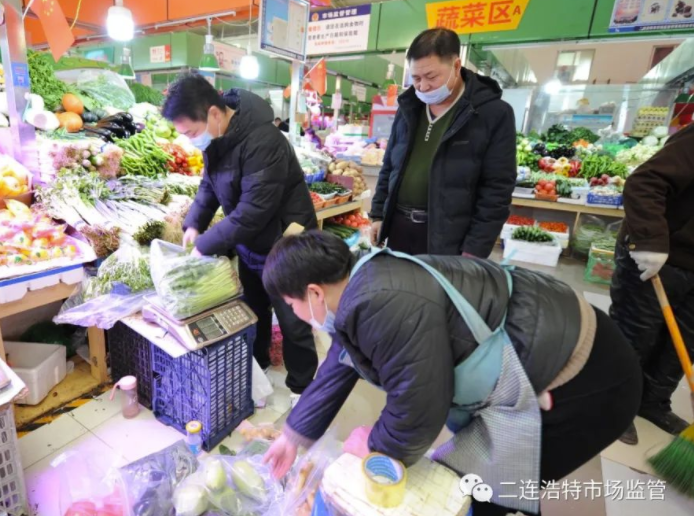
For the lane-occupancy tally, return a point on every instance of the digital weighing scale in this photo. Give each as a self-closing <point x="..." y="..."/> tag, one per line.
<point x="203" y="329"/>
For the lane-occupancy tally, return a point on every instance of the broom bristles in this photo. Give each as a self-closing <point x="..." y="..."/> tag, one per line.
<point x="675" y="463"/>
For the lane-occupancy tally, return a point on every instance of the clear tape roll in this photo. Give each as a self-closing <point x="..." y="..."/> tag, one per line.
<point x="385" y="480"/>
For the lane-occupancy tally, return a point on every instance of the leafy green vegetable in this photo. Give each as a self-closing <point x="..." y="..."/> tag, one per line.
<point x="146" y="94"/>
<point x="595" y="165"/>
<point x="43" y="80"/>
<point x="190" y="285"/>
<point x="326" y="188"/>
<point x="129" y="266"/>
<point x="581" y="133"/>
<point x="223" y="450"/>
<point x="107" y="93"/>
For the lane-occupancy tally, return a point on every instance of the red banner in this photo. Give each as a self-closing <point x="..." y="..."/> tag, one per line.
<point x="54" y="24"/>
<point x="317" y="77"/>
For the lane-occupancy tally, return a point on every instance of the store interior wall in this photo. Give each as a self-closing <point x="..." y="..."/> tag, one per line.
<point x="621" y="62"/>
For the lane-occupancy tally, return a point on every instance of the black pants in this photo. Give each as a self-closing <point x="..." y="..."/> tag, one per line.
<point x="636" y="311"/>
<point x="590" y="412"/>
<point x="406" y="236"/>
<point x="298" y="346"/>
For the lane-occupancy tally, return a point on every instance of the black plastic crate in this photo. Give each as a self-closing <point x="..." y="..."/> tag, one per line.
<point x="211" y="385"/>
<point x="131" y="354"/>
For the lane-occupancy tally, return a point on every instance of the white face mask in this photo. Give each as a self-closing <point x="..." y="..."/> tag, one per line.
<point x="438" y="95"/>
<point x="328" y="325"/>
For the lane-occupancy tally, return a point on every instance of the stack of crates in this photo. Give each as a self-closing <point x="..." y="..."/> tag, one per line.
<point x="13" y="497"/>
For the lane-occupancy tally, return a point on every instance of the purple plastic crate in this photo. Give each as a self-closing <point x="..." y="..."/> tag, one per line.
<point x="131" y="354"/>
<point x="211" y="385"/>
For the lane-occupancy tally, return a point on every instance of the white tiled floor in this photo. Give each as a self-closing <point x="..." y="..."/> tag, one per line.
<point x="98" y="431"/>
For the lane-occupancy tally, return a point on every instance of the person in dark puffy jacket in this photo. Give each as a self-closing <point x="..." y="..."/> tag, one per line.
<point x="450" y="167"/>
<point x="400" y="331"/>
<point x="657" y="237"/>
<point x="252" y="173"/>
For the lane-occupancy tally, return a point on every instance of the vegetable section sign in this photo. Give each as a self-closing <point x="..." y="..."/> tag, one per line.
<point x="473" y="16"/>
<point x="339" y="30"/>
<point x="283" y="28"/>
<point x="645" y="15"/>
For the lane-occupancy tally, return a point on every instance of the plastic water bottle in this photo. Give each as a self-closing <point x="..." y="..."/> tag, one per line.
<point x="194" y="437"/>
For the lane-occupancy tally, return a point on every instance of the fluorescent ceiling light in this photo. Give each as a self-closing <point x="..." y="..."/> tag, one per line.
<point x="553" y="87"/>
<point x="119" y="22"/>
<point x="250" y="68"/>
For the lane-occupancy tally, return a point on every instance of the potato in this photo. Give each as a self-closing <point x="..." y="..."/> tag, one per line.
<point x="331" y="167"/>
<point x="337" y="172"/>
<point x="342" y="165"/>
<point x="359" y="169"/>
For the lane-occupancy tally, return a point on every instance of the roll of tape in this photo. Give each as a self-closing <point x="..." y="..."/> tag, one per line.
<point x="385" y="480"/>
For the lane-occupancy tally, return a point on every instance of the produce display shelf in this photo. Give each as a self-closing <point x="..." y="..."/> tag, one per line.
<point x="573" y="208"/>
<point x="334" y="211"/>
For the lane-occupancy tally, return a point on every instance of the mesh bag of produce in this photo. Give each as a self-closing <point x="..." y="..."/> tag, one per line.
<point x="591" y="228"/>
<point x="188" y="285"/>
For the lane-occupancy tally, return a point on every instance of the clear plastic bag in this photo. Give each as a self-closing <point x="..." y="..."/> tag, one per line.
<point x="88" y="484"/>
<point x="261" y="387"/>
<point x="229" y="486"/>
<point x="263" y="431"/>
<point x="149" y="483"/>
<point x="591" y="228"/>
<point x="305" y="477"/>
<point x="107" y="88"/>
<point x="188" y="285"/>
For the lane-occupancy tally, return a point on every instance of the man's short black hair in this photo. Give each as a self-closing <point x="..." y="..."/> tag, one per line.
<point x="191" y="96"/>
<point x="278" y="119"/>
<point x="443" y="43"/>
<point x="297" y="261"/>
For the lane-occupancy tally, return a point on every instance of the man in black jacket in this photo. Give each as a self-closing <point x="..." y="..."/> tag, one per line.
<point x="251" y="171"/>
<point x="450" y="167"/>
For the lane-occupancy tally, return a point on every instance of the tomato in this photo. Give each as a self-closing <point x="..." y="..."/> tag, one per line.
<point x="541" y="183"/>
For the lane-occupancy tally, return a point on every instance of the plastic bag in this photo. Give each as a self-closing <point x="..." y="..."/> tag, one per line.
<point x="263" y="431"/>
<point x="107" y="88"/>
<point x="306" y="475"/>
<point x="149" y="483"/>
<point x="88" y="484"/>
<point x="590" y="229"/>
<point x="230" y="486"/>
<point x="188" y="285"/>
<point x="261" y="387"/>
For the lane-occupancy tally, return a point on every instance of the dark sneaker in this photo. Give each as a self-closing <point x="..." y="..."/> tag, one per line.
<point x="630" y="436"/>
<point x="667" y="421"/>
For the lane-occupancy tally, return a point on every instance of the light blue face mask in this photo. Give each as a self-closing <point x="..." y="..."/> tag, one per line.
<point x="328" y="325"/>
<point x="203" y="141"/>
<point x="438" y="95"/>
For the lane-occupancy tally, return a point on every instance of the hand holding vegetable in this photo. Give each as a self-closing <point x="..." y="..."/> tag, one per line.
<point x="196" y="253"/>
<point x="190" y="236"/>
<point x="281" y="456"/>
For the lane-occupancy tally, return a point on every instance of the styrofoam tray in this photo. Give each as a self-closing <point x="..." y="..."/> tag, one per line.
<point x="85" y="254"/>
<point x="14" y="289"/>
<point x="539" y="254"/>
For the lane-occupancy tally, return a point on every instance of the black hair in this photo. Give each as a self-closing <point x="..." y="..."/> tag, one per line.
<point x="297" y="261"/>
<point x="191" y="96"/>
<point x="278" y="118"/>
<point x="443" y="43"/>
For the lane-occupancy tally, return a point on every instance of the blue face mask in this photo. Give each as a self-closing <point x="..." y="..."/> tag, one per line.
<point x="203" y="141"/>
<point x="438" y="95"/>
<point x="328" y="325"/>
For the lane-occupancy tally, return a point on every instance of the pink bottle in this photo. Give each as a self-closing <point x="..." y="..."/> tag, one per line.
<point x="128" y="385"/>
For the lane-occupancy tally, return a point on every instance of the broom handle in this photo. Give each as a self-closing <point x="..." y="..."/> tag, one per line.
<point x="677" y="339"/>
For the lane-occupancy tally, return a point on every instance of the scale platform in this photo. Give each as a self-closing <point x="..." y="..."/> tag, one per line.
<point x="203" y="329"/>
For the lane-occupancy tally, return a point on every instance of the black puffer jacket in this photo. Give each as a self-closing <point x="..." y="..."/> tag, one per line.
<point x="473" y="174"/>
<point x="253" y="173"/>
<point x="403" y="333"/>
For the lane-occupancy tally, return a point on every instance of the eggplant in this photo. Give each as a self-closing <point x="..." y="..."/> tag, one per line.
<point x="127" y="116"/>
<point x="117" y="130"/>
<point x="101" y="132"/>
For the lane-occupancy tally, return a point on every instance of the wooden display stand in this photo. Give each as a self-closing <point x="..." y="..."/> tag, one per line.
<point x="334" y="211"/>
<point x="45" y="296"/>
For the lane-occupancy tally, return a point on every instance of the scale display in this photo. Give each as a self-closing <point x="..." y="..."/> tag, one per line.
<point x="206" y="328"/>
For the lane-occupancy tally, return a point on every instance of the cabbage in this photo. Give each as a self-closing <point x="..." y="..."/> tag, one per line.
<point x="190" y="500"/>
<point x="660" y="132"/>
<point x="650" y="141"/>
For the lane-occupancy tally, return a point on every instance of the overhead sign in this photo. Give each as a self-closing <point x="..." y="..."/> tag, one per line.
<point x="160" y="54"/>
<point x="228" y="57"/>
<point x="283" y="26"/>
<point x="474" y="16"/>
<point x="359" y="91"/>
<point x="337" y="31"/>
<point x="647" y="15"/>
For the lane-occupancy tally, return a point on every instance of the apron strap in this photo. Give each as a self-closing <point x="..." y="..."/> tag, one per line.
<point x="477" y="325"/>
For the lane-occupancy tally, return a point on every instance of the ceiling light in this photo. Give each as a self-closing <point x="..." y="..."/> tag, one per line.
<point x="250" y="68"/>
<point x="119" y="22"/>
<point x="126" y="68"/>
<point x="553" y="87"/>
<point x="208" y="62"/>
